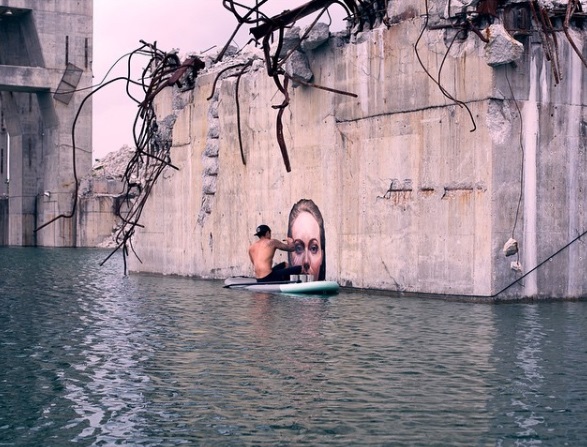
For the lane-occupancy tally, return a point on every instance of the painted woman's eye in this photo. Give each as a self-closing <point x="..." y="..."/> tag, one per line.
<point x="314" y="249"/>
<point x="299" y="246"/>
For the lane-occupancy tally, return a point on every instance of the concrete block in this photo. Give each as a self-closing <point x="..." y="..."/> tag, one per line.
<point x="298" y="67"/>
<point x="212" y="148"/>
<point x="210" y="166"/>
<point x="182" y="127"/>
<point x="318" y="35"/>
<point x="502" y="48"/>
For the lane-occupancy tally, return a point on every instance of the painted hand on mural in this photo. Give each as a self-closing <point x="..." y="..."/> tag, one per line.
<point x="306" y="228"/>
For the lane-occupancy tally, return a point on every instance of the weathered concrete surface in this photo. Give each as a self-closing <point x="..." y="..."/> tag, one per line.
<point x="100" y="195"/>
<point x="46" y="46"/>
<point x="24" y="79"/>
<point x="3" y="220"/>
<point x="412" y="199"/>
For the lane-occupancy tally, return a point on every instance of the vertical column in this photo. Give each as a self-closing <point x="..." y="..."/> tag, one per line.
<point x="3" y="154"/>
<point x="24" y="175"/>
<point x="3" y="179"/>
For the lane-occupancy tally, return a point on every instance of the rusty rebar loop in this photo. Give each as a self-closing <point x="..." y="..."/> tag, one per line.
<point x="437" y="82"/>
<point x="250" y="11"/>
<point x="238" y="111"/>
<point x="241" y="20"/>
<point x="151" y="157"/>
<point x="445" y="92"/>
<point x="321" y="87"/>
<point x="218" y="76"/>
<point x="572" y="5"/>
<point x="74" y="158"/>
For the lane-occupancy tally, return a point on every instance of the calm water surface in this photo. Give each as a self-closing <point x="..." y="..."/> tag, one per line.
<point x="89" y="357"/>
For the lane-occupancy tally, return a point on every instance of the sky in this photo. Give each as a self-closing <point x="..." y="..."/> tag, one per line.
<point x="119" y="25"/>
<point x="190" y="26"/>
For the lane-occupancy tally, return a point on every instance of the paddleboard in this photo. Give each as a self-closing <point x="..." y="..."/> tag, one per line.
<point x="329" y="287"/>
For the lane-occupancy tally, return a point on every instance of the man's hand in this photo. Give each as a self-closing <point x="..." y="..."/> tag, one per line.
<point x="290" y="243"/>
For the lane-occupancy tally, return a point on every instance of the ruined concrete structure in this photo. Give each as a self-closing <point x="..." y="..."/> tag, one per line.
<point x="100" y="200"/>
<point x="467" y="130"/>
<point x="45" y="65"/>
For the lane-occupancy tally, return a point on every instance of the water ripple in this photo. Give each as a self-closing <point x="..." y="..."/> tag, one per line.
<point x="92" y="358"/>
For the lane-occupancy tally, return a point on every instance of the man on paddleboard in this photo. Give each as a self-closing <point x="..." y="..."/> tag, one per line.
<point x="261" y="253"/>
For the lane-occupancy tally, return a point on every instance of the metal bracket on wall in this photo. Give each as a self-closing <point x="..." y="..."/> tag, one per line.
<point x="68" y="83"/>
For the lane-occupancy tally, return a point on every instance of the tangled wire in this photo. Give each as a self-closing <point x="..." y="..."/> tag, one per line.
<point x="152" y="155"/>
<point x="360" y="13"/>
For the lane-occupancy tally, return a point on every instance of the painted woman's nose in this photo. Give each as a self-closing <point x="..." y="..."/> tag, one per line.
<point x="306" y="262"/>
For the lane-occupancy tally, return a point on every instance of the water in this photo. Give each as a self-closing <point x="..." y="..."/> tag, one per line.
<point x="91" y="358"/>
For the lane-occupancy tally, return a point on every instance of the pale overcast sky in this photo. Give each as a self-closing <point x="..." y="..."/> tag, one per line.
<point x="119" y="25"/>
<point x="186" y="25"/>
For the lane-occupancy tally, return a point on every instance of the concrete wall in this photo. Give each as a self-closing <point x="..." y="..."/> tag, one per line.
<point x="413" y="199"/>
<point x="96" y="219"/>
<point x="102" y="200"/>
<point x="3" y="221"/>
<point x="46" y="48"/>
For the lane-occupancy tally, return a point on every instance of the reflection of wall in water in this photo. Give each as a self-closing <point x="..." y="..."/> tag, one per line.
<point x="537" y="356"/>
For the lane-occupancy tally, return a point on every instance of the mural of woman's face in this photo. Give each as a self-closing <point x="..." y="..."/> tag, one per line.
<point x="308" y="253"/>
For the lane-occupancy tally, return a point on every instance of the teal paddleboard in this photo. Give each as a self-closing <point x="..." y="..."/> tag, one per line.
<point x="282" y="286"/>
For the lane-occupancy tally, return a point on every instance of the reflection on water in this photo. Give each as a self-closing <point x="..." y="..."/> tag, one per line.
<point x="541" y="364"/>
<point x="110" y="356"/>
<point x="531" y="381"/>
<point x="90" y="358"/>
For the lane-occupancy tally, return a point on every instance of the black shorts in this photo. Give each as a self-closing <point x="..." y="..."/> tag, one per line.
<point x="281" y="273"/>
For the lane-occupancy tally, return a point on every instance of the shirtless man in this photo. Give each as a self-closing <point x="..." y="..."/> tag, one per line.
<point x="261" y="253"/>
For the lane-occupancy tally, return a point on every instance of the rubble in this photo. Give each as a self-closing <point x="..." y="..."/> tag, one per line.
<point x="291" y="41"/>
<point x="102" y="189"/>
<point x="113" y="164"/>
<point x="501" y="47"/>
<point x="316" y="36"/>
<point x="297" y="67"/>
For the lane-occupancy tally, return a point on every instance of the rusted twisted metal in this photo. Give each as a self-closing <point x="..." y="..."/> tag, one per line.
<point x="573" y="6"/>
<point x="153" y="151"/>
<point x="152" y="154"/>
<point x="359" y="12"/>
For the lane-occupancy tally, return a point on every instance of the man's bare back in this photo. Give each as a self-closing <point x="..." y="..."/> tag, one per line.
<point x="261" y="252"/>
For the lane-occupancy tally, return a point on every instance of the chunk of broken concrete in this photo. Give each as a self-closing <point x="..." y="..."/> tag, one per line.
<point x="297" y="66"/>
<point x="502" y="48"/>
<point x="290" y="41"/>
<point x="316" y="36"/>
<point x="516" y="266"/>
<point x="511" y="247"/>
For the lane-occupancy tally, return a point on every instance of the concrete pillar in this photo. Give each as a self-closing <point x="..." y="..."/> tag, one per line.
<point x="3" y="179"/>
<point x="3" y="154"/>
<point x="45" y="58"/>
